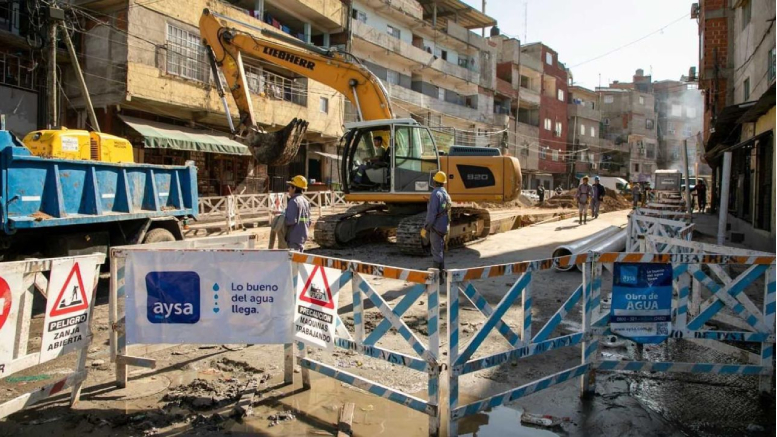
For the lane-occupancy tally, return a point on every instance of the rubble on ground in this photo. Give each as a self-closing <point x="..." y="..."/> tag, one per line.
<point x="613" y="201"/>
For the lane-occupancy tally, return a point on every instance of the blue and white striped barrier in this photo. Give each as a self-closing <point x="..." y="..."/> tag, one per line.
<point x="686" y="266"/>
<point x="365" y="343"/>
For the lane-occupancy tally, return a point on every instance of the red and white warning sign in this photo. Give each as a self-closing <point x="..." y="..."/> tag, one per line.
<point x="11" y="289"/>
<point x="66" y="326"/>
<point x="315" y="311"/>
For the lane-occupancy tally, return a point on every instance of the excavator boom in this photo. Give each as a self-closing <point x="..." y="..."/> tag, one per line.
<point x="226" y="45"/>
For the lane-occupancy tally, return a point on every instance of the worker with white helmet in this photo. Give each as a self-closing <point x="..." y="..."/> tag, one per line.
<point x="297" y="216"/>
<point x="438" y="212"/>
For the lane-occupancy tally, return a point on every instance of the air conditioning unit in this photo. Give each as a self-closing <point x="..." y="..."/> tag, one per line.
<point x="695" y="11"/>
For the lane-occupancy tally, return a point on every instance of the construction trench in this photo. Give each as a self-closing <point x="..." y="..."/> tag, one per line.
<point x="200" y="389"/>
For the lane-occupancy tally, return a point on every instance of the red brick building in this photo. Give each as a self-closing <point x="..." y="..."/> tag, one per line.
<point x="714" y="20"/>
<point x="553" y="124"/>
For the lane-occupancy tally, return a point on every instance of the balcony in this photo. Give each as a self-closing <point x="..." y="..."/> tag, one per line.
<point x="424" y="102"/>
<point x="417" y="59"/>
<point x="529" y="96"/>
<point x="584" y="111"/>
<point x="329" y="15"/>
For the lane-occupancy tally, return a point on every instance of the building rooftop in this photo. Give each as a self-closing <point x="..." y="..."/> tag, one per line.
<point x="461" y="13"/>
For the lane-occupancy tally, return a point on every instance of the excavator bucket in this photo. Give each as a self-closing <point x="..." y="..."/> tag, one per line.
<point x="278" y="147"/>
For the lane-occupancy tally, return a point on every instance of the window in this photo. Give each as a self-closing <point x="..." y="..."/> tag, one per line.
<point x="441" y="93"/>
<point x="649" y="123"/>
<point x="414" y="154"/>
<point x="561" y="95"/>
<point x="690" y="112"/>
<point x="393" y="31"/>
<point x="548" y="124"/>
<point x="558" y="128"/>
<point x="606" y="121"/>
<point x="582" y="129"/>
<point x="359" y="16"/>
<point x="549" y="58"/>
<point x="771" y="59"/>
<point x="555" y="155"/>
<point x="636" y="167"/>
<point x="525" y="82"/>
<point x="677" y="110"/>
<point x="440" y="53"/>
<point x="392" y="77"/>
<point x="608" y="99"/>
<point x="746" y="89"/>
<point x="543" y="153"/>
<point x="591" y="158"/>
<point x="670" y="128"/>
<point x="746" y="14"/>
<point x="466" y="62"/>
<point x="323" y="105"/>
<point x="186" y="55"/>
<point x="650" y="152"/>
<point x="641" y="100"/>
<point x="593" y="132"/>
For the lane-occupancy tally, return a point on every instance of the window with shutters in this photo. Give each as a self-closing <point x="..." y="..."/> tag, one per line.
<point x="186" y="56"/>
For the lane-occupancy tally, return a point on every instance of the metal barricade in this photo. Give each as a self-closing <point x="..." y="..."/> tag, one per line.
<point x="424" y="358"/>
<point x="18" y="280"/>
<point x="525" y="342"/>
<point x="640" y="225"/>
<point x="121" y="355"/>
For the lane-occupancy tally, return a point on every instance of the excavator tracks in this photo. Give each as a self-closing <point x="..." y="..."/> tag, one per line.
<point x="325" y="230"/>
<point x="467" y="225"/>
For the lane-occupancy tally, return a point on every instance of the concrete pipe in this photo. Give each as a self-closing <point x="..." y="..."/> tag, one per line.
<point x="582" y="245"/>
<point x="613" y="243"/>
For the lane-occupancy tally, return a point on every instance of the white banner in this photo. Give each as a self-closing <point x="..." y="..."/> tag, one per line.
<point x="11" y="290"/>
<point x="315" y="313"/>
<point x="69" y="295"/>
<point x="198" y="297"/>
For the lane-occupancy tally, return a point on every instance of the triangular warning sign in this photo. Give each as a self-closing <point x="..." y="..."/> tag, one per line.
<point x="72" y="297"/>
<point x="313" y="294"/>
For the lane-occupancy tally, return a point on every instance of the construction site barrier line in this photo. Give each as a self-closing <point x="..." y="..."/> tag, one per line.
<point x="409" y="275"/>
<point x="496" y="270"/>
<point x="674" y="367"/>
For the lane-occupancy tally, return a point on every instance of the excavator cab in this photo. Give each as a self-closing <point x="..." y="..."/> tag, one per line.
<point x="396" y="157"/>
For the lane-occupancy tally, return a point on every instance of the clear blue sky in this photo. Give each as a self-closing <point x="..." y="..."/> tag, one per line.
<point x="583" y="30"/>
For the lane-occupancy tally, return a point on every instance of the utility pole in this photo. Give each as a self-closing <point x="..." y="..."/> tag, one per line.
<point x="687" y="177"/>
<point x="725" y="181"/>
<point x="483" y="30"/>
<point x="80" y="79"/>
<point x="51" y="84"/>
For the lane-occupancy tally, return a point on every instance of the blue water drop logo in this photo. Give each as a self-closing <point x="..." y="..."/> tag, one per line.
<point x="215" y="310"/>
<point x="216" y="287"/>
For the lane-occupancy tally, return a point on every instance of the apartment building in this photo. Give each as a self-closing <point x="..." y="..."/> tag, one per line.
<point x="148" y="75"/>
<point x="679" y="107"/>
<point x="629" y="117"/>
<point x="593" y="155"/>
<point x="23" y="99"/>
<point x="436" y="70"/>
<point x="551" y="114"/>
<point x="737" y="74"/>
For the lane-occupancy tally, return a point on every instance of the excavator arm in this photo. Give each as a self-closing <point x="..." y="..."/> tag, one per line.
<point x="340" y="71"/>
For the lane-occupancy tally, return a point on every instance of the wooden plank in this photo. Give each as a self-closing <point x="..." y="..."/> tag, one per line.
<point x="345" y="420"/>
<point x="126" y="360"/>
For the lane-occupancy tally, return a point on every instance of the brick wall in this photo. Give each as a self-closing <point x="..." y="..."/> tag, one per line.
<point x="714" y="57"/>
<point x="555" y="110"/>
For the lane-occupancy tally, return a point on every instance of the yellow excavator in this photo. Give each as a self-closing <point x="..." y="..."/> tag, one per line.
<point x="387" y="163"/>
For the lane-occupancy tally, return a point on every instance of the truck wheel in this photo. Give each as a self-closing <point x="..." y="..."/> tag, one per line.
<point x="158" y="235"/>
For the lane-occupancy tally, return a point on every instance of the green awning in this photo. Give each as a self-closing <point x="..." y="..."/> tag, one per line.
<point x="166" y="136"/>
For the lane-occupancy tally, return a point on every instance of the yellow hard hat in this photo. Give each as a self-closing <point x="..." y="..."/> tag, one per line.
<point x="440" y="177"/>
<point x="299" y="181"/>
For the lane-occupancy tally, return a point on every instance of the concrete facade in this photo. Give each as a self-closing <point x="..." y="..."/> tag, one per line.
<point x="148" y="62"/>
<point x="679" y="107"/>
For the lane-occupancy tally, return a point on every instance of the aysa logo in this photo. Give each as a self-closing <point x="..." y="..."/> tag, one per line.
<point x="629" y="275"/>
<point x="173" y="297"/>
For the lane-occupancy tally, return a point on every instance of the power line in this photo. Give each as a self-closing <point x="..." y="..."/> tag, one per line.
<point x="684" y="16"/>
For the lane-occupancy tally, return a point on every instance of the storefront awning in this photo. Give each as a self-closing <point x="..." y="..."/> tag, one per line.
<point x="166" y="136"/>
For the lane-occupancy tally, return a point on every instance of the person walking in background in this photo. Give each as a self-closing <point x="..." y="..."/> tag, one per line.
<point x="437" y="220"/>
<point x="559" y="190"/>
<point x="597" y="197"/>
<point x="635" y="194"/>
<point x="701" y="194"/>
<point x="297" y="215"/>
<point x="541" y="192"/>
<point x="583" y="196"/>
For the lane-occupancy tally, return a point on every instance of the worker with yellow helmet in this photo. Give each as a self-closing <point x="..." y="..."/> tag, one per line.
<point x="438" y="212"/>
<point x="297" y="215"/>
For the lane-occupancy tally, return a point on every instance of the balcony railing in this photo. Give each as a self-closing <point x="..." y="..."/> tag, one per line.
<point x="583" y="111"/>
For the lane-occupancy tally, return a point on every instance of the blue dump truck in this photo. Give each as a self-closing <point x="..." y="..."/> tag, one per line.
<point x="59" y="207"/>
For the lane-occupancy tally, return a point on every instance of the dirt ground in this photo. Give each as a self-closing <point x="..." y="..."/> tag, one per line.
<point x="195" y="388"/>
